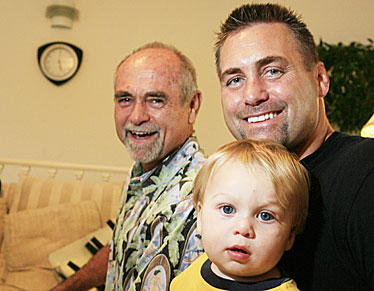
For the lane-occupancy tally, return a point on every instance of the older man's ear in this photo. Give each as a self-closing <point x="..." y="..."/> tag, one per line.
<point x="194" y="106"/>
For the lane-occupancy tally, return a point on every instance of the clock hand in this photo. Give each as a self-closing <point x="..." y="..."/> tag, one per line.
<point x="59" y="60"/>
<point x="59" y="64"/>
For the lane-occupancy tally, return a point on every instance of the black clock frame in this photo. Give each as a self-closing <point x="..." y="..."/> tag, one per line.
<point x="76" y="49"/>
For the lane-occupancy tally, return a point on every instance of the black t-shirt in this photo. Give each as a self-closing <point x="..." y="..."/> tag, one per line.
<point x="336" y="249"/>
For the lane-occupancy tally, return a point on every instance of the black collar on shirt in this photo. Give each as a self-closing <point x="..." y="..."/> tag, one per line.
<point x="226" y="284"/>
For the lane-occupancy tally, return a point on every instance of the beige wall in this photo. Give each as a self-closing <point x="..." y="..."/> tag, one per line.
<point x="74" y="122"/>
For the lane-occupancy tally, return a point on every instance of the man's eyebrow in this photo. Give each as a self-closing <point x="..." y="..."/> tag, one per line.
<point x="260" y="63"/>
<point x="159" y="94"/>
<point x="120" y="94"/>
<point x="271" y="59"/>
<point x="230" y="71"/>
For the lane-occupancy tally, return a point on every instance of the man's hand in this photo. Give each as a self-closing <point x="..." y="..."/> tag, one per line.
<point x="90" y="275"/>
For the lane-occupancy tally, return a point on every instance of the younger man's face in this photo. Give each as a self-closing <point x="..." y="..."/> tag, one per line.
<point x="243" y="226"/>
<point x="267" y="93"/>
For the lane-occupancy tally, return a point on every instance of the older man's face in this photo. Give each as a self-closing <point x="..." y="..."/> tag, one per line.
<point x="149" y="117"/>
<point x="266" y="90"/>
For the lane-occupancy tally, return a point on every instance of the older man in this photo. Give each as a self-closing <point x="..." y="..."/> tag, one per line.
<point x="156" y="103"/>
<point x="273" y="87"/>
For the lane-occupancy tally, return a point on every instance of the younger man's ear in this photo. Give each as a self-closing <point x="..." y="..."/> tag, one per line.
<point x="194" y="106"/>
<point x="323" y="80"/>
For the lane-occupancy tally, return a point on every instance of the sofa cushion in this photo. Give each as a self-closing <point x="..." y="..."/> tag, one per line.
<point x="34" y="279"/>
<point x="2" y="265"/>
<point x="3" y="211"/>
<point x="32" y="234"/>
<point x="32" y="193"/>
<point x="6" y="191"/>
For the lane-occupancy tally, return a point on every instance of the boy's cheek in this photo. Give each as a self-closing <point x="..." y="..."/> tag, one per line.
<point x="290" y="242"/>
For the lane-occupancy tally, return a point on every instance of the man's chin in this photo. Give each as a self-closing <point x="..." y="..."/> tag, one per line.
<point x="268" y="135"/>
<point x="144" y="154"/>
<point x="142" y="158"/>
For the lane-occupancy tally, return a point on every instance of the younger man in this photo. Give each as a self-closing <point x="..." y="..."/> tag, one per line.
<point x="251" y="199"/>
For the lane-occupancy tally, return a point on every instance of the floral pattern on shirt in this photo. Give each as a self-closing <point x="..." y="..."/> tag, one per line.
<point x="155" y="236"/>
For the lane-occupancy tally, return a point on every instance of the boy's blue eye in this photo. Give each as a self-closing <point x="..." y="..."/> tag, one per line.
<point x="227" y="209"/>
<point x="266" y="216"/>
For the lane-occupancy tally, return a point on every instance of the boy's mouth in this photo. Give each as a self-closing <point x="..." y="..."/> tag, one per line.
<point x="239" y="253"/>
<point x="239" y="249"/>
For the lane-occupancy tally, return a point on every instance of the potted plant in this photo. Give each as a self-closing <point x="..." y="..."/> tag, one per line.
<point x="350" y="101"/>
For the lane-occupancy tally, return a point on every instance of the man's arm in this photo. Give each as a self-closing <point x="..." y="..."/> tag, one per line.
<point x="360" y="230"/>
<point x="90" y="275"/>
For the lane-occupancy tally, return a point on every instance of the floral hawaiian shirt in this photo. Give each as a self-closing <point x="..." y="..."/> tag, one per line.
<point x="155" y="236"/>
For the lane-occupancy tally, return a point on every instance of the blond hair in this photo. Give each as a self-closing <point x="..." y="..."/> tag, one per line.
<point x="289" y="178"/>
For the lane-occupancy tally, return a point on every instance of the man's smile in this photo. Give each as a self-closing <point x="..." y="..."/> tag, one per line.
<point x="262" y="117"/>
<point x="141" y="134"/>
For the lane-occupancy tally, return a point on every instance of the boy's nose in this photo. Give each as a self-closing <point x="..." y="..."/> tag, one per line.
<point x="245" y="228"/>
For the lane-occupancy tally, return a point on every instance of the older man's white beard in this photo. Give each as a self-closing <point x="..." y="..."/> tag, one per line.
<point x="147" y="151"/>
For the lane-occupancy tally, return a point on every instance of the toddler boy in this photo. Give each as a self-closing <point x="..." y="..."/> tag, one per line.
<point x="251" y="199"/>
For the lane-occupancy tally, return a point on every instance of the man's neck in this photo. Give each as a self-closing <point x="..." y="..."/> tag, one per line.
<point x="315" y="141"/>
<point x="146" y="167"/>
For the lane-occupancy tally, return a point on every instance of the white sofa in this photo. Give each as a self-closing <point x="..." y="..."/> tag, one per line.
<point x="39" y="216"/>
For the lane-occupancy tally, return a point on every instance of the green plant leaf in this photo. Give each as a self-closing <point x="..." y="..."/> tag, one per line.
<point x="350" y="101"/>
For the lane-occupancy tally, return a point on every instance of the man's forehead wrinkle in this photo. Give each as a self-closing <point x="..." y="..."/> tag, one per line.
<point x="150" y="71"/>
<point x="160" y="66"/>
<point x="146" y="74"/>
<point x="156" y="56"/>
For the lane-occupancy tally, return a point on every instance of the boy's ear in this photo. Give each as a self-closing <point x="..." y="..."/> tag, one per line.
<point x="291" y="240"/>
<point x="198" y="223"/>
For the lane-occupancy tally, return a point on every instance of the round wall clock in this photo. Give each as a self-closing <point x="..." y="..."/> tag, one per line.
<point x="59" y="61"/>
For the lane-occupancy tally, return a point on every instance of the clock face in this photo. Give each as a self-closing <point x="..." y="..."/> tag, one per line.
<point x="59" y="61"/>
